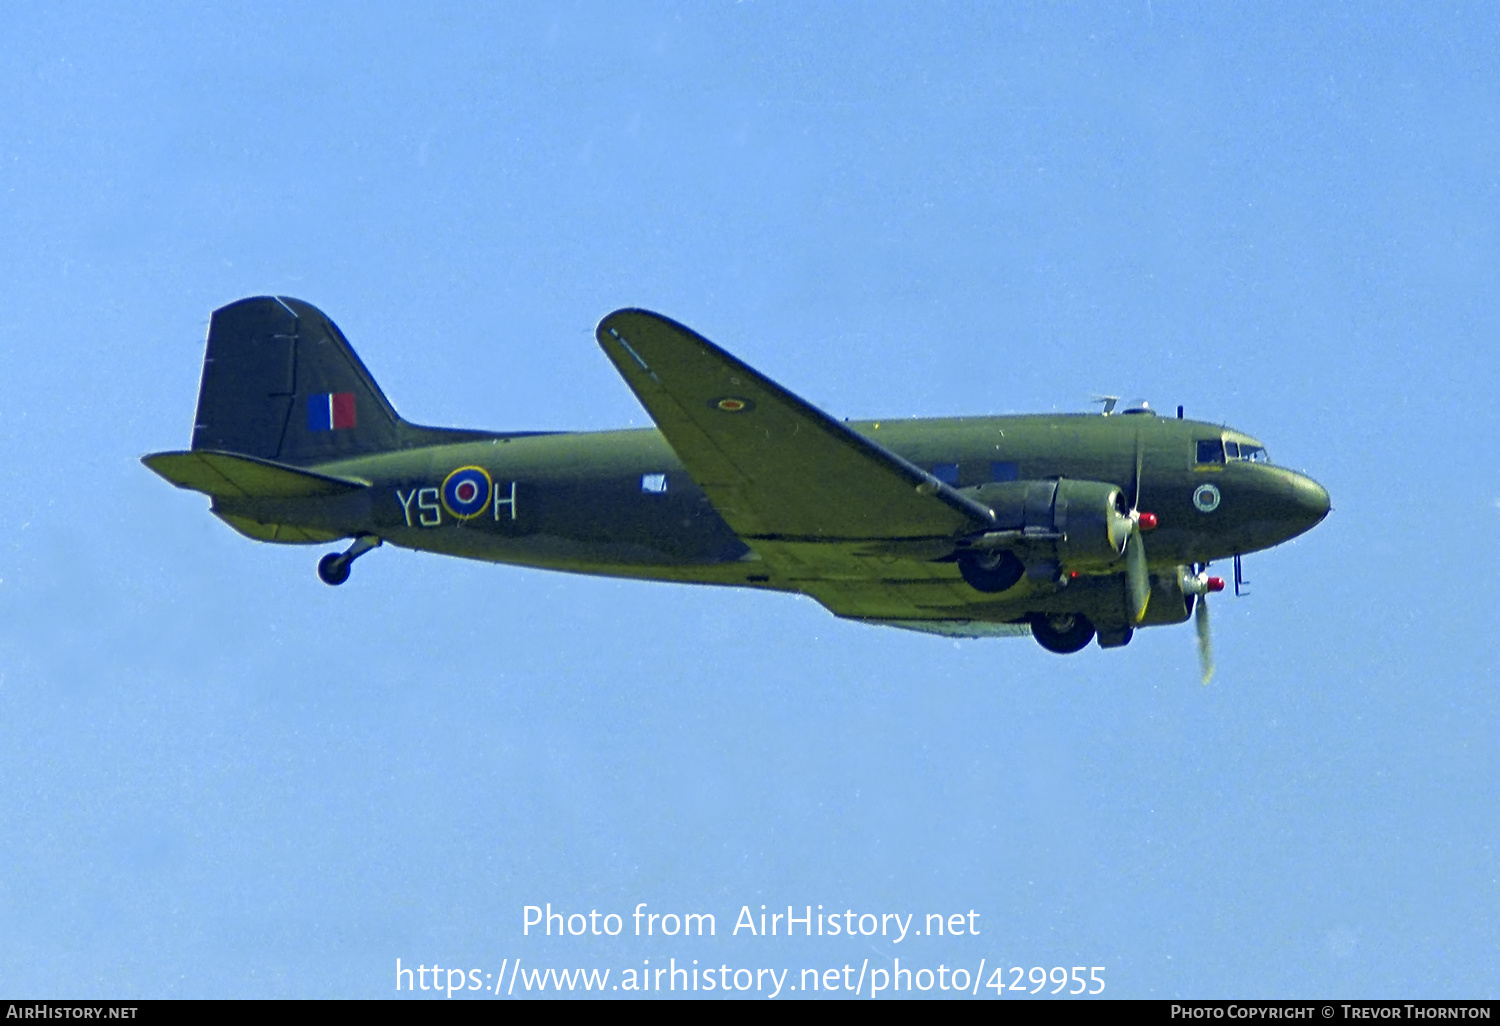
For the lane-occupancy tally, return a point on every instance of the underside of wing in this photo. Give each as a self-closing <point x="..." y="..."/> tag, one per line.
<point x="775" y="467"/>
<point x="958" y="628"/>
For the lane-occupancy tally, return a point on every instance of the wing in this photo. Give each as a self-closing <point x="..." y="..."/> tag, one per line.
<point x="775" y="467"/>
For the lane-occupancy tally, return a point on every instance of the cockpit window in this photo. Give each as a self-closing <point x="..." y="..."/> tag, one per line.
<point x="1211" y="450"/>
<point x="1246" y="451"/>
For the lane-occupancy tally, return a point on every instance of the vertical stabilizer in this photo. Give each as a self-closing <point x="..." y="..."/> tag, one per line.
<point x="280" y="382"/>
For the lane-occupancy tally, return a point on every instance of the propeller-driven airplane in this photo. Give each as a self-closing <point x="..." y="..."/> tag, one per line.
<point x="1068" y="527"/>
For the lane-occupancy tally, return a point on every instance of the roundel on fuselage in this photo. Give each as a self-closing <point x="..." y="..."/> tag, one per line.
<point x="466" y="492"/>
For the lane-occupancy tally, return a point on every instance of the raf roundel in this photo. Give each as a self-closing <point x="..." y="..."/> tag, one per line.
<point x="732" y="404"/>
<point x="1206" y="498"/>
<point x="466" y="492"/>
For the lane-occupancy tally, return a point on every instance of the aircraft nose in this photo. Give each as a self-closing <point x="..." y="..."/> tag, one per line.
<point x="1309" y="500"/>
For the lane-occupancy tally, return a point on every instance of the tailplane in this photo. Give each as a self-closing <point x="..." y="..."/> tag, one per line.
<point x="226" y="476"/>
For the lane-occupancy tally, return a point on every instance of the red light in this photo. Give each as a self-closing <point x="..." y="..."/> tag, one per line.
<point x="1215" y="584"/>
<point x="1073" y="574"/>
<point x="1147" y="521"/>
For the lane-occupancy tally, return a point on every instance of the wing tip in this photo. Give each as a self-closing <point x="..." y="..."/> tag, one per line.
<point x="619" y="320"/>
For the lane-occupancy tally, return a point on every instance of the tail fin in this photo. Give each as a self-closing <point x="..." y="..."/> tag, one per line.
<point x="280" y="382"/>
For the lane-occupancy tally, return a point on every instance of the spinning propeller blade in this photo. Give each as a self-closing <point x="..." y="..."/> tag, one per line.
<point x="1201" y="585"/>
<point x="1205" y="640"/>
<point x="1137" y="577"/>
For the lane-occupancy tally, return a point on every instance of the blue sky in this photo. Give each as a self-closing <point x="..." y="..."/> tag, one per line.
<point x="226" y="779"/>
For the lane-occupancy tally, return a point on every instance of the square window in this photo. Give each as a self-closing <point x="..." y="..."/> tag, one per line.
<point x="654" y="484"/>
<point x="946" y="473"/>
<point x="1003" y="471"/>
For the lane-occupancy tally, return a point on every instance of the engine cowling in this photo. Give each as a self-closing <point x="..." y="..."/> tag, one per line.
<point x="1173" y="595"/>
<point x="1084" y="523"/>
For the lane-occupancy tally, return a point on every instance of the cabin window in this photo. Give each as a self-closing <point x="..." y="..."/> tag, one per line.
<point x="1004" y="471"/>
<point x="654" y="484"/>
<point x="1211" y="450"/>
<point x="946" y="473"/>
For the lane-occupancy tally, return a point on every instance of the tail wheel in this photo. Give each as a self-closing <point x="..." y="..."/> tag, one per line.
<point x="991" y="572"/>
<point x="333" y="568"/>
<point x="1063" y="633"/>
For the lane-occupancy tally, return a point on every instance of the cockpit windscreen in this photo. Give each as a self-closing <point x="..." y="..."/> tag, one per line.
<point x="1246" y="451"/>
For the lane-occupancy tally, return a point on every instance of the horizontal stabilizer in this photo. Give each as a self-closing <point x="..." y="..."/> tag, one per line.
<point x="225" y="475"/>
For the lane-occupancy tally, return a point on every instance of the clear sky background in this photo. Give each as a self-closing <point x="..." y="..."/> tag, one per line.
<point x="224" y="778"/>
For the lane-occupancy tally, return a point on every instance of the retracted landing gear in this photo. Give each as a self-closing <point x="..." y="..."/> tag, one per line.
<point x="1114" y="637"/>
<point x="1063" y="633"/>
<point x="991" y="571"/>
<point x="334" y="568"/>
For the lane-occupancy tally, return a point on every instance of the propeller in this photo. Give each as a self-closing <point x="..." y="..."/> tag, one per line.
<point x="1201" y="585"/>
<point x="1137" y="574"/>
<point x="1205" y="640"/>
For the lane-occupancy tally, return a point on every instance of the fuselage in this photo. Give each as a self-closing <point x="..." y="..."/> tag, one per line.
<point x="621" y="503"/>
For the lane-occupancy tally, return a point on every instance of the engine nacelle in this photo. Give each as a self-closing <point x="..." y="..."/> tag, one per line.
<point x="1173" y="595"/>
<point x="1085" y="523"/>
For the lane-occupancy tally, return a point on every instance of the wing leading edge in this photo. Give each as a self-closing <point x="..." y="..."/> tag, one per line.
<point x="775" y="467"/>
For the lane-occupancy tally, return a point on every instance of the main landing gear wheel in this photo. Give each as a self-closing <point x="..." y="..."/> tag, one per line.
<point x="991" y="571"/>
<point x="1063" y="633"/>
<point x="333" y="569"/>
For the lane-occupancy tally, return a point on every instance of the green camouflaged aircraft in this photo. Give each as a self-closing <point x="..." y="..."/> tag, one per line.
<point x="963" y="526"/>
